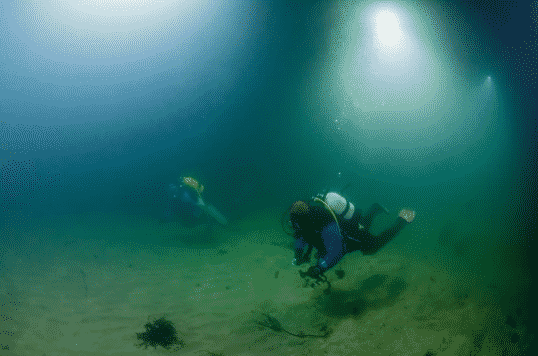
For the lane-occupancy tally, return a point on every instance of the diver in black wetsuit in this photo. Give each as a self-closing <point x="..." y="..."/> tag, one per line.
<point x="186" y="205"/>
<point x="335" y="227"/>
<point x="185" y="202"/>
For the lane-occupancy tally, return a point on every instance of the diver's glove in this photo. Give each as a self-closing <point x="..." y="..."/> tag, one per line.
<point x="317" y="275"/>
<point x="313" y="272"/>
<point x="300" y="260"/>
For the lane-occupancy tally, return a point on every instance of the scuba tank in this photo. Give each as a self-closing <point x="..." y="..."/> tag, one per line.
<point x="331" y="199"/>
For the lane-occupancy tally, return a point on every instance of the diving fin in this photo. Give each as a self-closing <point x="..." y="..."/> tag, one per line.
<point x="213" y="212"/>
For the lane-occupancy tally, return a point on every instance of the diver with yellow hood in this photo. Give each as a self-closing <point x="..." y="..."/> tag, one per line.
<point x="186" y="203"/>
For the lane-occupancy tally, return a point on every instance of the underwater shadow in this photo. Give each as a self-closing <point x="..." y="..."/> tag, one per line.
<point x="376" y="292"/>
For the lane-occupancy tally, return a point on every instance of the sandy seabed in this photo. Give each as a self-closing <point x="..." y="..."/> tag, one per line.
<point x="86" y="285"/>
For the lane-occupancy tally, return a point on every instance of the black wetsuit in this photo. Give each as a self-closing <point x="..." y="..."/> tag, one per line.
<point x="182" y="205"/>
<point x="318" y="229"/>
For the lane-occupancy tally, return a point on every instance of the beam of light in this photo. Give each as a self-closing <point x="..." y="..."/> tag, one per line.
<point x="117" y="7"/>
<point x="73" y="52"/>
<point x="399" y="99"/>
<point x="111" y="29"/>
<point x="86" y="67"/>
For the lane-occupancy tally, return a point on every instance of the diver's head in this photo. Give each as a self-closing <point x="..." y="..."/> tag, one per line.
<point x="298" y="213"/>
<point x="192" y="183"/>
<point x="299" y="208"/>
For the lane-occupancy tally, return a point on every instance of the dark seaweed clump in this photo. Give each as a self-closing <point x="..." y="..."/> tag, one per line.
<point x="159" y="333"/>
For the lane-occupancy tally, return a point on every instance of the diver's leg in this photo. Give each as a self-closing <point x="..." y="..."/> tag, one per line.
<point x="405" y="217"/>
<point x="377" y="242"/>
<point x="374" y="210"/>
<point x="394" y="230"/>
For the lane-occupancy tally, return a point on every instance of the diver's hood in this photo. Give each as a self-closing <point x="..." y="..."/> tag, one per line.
<point x="339" y="205"/>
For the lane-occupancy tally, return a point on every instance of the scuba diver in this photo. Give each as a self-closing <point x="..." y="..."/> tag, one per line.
<point x="336" y="227"/>
<point x="186" y="203"/>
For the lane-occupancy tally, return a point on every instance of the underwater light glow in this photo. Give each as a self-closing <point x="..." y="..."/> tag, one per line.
<point x="388" y="65"/>
<point x="83" y="51"/>
<point x="388" y="28"/>
<point x="488" y="82"/>
<point x="121" y="7"/>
